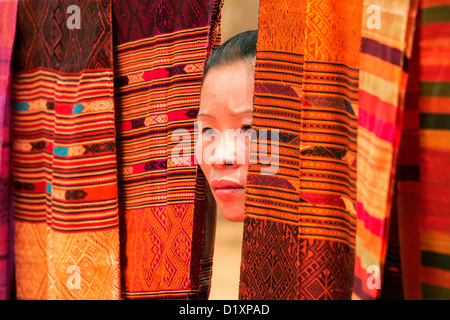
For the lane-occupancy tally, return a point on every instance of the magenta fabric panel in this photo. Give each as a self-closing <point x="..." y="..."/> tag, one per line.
<point x="8" y="15"/>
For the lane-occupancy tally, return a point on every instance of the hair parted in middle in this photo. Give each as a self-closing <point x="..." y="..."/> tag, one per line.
<point x="239" y="47"/>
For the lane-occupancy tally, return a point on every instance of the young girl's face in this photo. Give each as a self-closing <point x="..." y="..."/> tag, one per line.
<point x="224" y="123"/>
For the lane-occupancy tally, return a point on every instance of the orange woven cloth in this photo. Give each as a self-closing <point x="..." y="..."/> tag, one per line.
<point x="300" y="219"/>
<point x="64" y="154"/>
<point x="94" y="139"/>
<point x="160" y="50"/>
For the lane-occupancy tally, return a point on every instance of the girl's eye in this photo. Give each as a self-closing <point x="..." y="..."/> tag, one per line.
<point x="246" y="127"/>
<point x="208" y="131"/>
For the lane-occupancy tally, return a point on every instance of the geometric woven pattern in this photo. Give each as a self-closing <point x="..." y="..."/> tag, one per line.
<point x="300" y="222"/>
<point x="269" y="268"/>
<point x="160" y="49"/>
<point x="102" y="134"/>
<point x="64" y="154"/>
<point x="326" y="277"/>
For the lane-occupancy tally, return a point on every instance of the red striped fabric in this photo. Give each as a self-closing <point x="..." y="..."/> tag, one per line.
<point x="381" y="91"/>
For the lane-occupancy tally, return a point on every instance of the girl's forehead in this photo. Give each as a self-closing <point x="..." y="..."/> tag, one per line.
<point x="227" y="89"/>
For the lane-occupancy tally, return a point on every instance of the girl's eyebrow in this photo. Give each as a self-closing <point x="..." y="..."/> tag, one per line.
<point x="203" y="114"/>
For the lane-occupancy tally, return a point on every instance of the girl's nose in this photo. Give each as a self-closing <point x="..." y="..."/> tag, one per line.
<point x="227" y="150"/>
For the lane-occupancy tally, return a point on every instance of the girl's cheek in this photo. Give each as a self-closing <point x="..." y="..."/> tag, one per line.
<point x="205" y="155"/>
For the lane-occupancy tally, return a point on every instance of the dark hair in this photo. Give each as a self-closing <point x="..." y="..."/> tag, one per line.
<point x="240" y="47"/>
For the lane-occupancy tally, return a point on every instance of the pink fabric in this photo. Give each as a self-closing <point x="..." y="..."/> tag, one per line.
<point x="8" y="13"/>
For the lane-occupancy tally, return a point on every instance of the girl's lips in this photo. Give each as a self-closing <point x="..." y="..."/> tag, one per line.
<point x="226" y="188"/>
<point x="227" y="192"/>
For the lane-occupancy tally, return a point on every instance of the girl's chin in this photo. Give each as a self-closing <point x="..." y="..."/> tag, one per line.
<point x="234" y="218"/>
<point x="232" y="213"/>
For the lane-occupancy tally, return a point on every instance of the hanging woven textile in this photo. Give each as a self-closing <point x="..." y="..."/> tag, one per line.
<point x="300" y="219"/>
<point x="348" y="182"/>
<point x="8" y="14"/>
<point x="383" y="79"/>
<point x="423" y="179"/>
<point x="160" y="49"/>
<point x="64" y="152"/>
<point x="403" y="226"/>
<point x="434" y="137"/>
